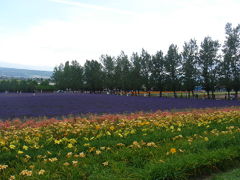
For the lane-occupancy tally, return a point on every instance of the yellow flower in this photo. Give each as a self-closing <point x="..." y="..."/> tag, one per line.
<point x="2" y="166"/>
<point x="75" y="163"/>
<point x="120" y="144"/>
<point x="26" y="173"/>
<point x="98" y="152"/>
<point x="103" y="148"/>
<point x="2" y="142"/>
<point x="27" y="156"/>
<point x="105" y="163"/>
<point x="162" y="161"/>
<point x="25" y="147"/>
<point x="12" y="146"/>
<point x="12" y="178"/>
<point x="49" y="152"/>
<point x="57" y="141"/>
<point x="86" y="139"/>
<point x="112" y="128"/>
<point x="72" y="141"/>
<point x="91" y="149"/>
<point x="66" y="164"/>
<point x="69" y="155"/>
<point x="119" y="134"/>
<point x="108" y="133"/>
<point x="41" y="172"/>
<point x="70" y="145"/>
<point x="151" y="144"/>
<point x="206" y="139"/>
<point x="31" y="167"/>
<point x="97" y="127"/>
<point x="82" y="155"/>
<point x="76" y="155"/>
<point x="135" y="144"/>
<point x="86" y="144"/>
<point x="52" y="159"/>
<point x="20" y="152"/>
<point x="173" y="150"/>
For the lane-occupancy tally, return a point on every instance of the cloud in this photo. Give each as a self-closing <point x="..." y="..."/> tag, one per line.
<point x="86" y="34"/>
<point x="94" y="7"/>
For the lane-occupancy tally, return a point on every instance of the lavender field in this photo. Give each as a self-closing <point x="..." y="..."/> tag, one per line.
<point x="29" y="105"/>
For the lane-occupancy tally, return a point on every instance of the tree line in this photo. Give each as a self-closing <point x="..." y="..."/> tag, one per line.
<point x="26" y="85"/>
<point x="210" y="66"/>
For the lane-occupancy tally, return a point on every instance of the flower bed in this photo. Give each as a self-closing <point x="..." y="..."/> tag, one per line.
<point x="159" y="145"/>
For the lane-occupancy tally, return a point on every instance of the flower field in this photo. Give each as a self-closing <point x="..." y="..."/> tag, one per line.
<point x="160" y="145"/>
<point x="57" y="105"/>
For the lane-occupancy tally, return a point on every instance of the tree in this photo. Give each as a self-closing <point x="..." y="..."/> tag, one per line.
<point x="173" y="65"/>
<point x="58" y="76"/>
<point x="75" y="77"/>
<point x="135" y="73"/>
<point x="109" y="65"/>
<point x="189" y="65"/>
<point x="68" y="76"/>
<point x="231" y="61"/>
<point x="93" y="76"/>
<point x="157" y="68"/>
<point x="145" y="69"/>
<point x="122" y="72"/>
<point x="209" y="62"/>
<point x="225" y="73"/>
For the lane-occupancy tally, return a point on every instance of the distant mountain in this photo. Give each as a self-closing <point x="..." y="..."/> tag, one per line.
<point x="24" y="66"/>
<point x="24" y="73"/>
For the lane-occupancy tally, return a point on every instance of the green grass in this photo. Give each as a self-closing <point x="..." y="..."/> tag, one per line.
<point x="231" y="175"/>
<point x="203" y="144"/>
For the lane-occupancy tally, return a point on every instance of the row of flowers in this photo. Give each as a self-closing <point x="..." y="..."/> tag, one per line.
<point x="77" y="141"/>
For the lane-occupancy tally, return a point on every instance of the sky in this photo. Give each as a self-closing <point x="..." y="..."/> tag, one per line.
<point x="41" y="34"/>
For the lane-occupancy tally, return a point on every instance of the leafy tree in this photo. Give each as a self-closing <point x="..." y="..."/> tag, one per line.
<point x="157" y="69"/>
<point x="135" y="73"/>
<point x="225" y="73"/>
<point x="231" y="61"/>
<point x="93" y="76"/>
<point x="68" y="76"/>
<point x="122" y="72"/>
<point x="189" y="65"/>
<point x="45" y="86"/>
<point x="145" y="69"/>
<point x="209" y="62"/>
<point x="109" y="65"/>
<point x="76" y="76"/>
<point x="58" y="77"/>
<point x="173" y="65"/>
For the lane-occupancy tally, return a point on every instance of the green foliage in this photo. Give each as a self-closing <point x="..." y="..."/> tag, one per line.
<point x="209" y="61"/>
<point x="173" y="71"/>
<point x="93" y="76"/>
<point x="230" y="69"/>
<point x="173" y="60"/>
<point x="190" y="64"/>
<point x="28" y="85"/>
<point x="68" y="76"/>
<point x="122" y="72"/>
<point x="157" y="69"/>
<point x="145" y="61"/>
<point x="109" y="65"/>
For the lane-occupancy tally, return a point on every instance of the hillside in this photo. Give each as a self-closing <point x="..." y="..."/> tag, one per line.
<point x="23" y="73"/>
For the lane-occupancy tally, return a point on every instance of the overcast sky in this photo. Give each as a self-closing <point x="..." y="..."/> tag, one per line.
<point x="47" y="32"/>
